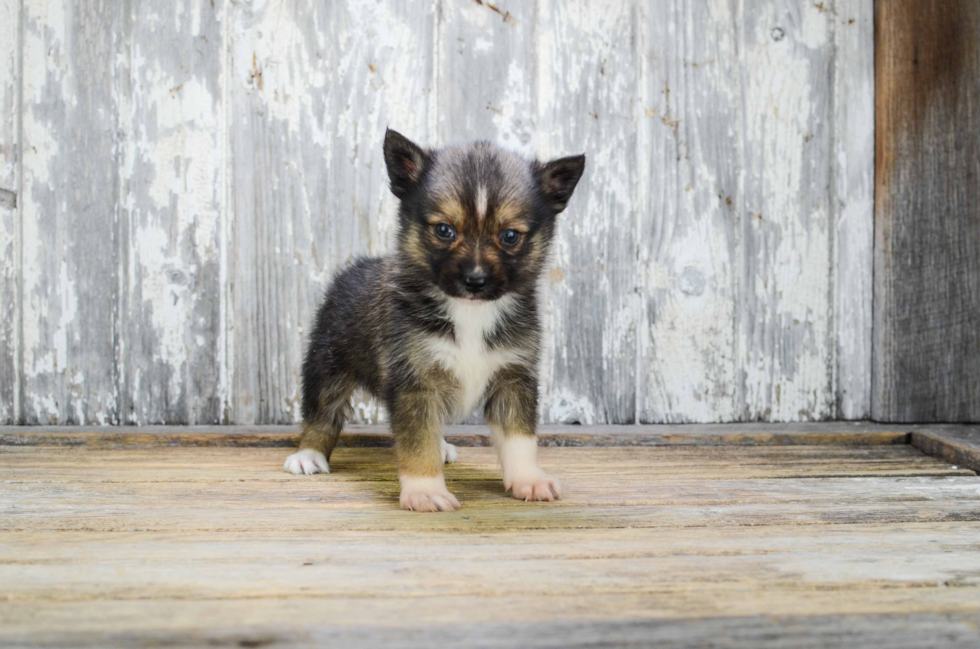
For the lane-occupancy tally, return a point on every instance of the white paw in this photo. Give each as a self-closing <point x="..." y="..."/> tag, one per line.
<point x="427" y="495"/>
<point x="306" y="461"/>
<point x="540" y="486"/>
<point x="448" y="452"/>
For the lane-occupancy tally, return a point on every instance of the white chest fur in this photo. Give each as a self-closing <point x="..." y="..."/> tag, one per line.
<point x="468" y="357"/>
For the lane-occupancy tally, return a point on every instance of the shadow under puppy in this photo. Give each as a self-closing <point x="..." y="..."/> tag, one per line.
<point x="447" y="322"/>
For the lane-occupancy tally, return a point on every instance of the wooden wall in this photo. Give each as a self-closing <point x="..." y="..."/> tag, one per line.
<point x="927" y="216"/>
<point x="181" y="180"/>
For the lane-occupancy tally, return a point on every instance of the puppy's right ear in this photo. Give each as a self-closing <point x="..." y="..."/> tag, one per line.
<point x="405" y="161"/>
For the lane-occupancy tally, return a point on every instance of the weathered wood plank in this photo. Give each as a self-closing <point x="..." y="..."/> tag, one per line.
<point x="633" y="620"/>
<point x="852" y="208"/>
<point x="172" y="217"/>
<point x="485" y="75"/>
<point x="218" y="489"/>
<point x="587" y="72"/>
<point x="842" y="433"/>
<point x="927" y="219"/>
<point x="313" y="88"/>
<point x="957" y="445"/>
<point x="150" y="465"/>
<point x="70" y="245"/>
<point x="786" y="332"/>
<point x="10" y="61"/>
<point x="128" y="566"/>
<point x="688" y="202"/>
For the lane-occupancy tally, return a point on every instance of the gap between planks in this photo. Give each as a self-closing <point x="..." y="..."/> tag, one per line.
<point x="377" y="436"/>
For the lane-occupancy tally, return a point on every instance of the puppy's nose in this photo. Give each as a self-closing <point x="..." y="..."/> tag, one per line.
<point x="474" y="281"/>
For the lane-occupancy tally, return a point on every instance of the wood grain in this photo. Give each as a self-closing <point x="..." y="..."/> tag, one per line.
<point x="785" y="344"/>
<point x="226" y="489"/>
<point x="752" y="109"/>
<point x="70" y="242"/>
<point x="10" y="154"/>
<point x="688" y="204"/>
<point x="757" y="546"/>
<point x="242" y="628"/>
<point x="173" y="118"/>
<point x="927" y="219"/>
<point x="351" y="565"/>
<point x="586" y="80"/>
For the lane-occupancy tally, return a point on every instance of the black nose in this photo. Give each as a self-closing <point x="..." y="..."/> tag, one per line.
<point x="474" y="281"/>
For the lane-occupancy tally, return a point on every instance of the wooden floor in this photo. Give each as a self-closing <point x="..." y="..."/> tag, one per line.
<point x="116" y="540"/>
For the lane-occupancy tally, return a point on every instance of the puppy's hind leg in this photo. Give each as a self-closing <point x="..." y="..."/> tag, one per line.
<point x="448" y="452"/>
<point x="324" y="414"/>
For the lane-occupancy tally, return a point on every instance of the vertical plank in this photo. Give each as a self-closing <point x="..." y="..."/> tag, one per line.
<point x="494" y="45"/>
<point x="485" y="71"/>
<point x="786" y="349"/>
<point x="173" y="211"/>
<point x="927" y="219"/>
<point x="10" y="48"/>
<point x="312" y="90"/>
<point x="70" y="188"/>
<point x="853" y="207"/>
<point x="587" y="77"/>
<point x="688" y="202"/>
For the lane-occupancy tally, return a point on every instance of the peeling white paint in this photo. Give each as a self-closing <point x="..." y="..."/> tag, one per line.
<point x="698" y="275"/>
<point x="10" y="154"/>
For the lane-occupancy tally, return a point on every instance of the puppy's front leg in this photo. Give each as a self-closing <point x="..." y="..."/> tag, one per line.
<point x="511" y="411"/>
<point x="416" y="422"/>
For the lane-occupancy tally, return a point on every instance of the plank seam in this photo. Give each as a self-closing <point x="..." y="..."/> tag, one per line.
<point x="121" y="230"/>
<point x="643" y="144"/>
<point x="739" y="352"/>
<point x="629" y="438"/>
<point x="833" y="287"/>
<point x="226" y="334"/>
<point x="19" y="227"/>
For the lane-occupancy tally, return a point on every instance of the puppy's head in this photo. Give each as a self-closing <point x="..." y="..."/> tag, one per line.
<point x="475" y="219"/>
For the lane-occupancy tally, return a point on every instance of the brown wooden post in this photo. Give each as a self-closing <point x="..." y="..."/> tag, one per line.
<point x="927" y="211"/>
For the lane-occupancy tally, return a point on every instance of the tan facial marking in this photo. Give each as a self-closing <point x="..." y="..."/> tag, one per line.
<point x="448" y="210"/>
<point x="415" y="248"/>
<point x="509" y="214"/>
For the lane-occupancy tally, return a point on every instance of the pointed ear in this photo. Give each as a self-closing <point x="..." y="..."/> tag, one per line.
<point x="558" y="179"/>
<point x="405" y="162"/>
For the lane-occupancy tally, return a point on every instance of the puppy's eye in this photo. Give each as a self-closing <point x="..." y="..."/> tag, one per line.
<point x="445" y="232"/>
<point x="510" y="237"/>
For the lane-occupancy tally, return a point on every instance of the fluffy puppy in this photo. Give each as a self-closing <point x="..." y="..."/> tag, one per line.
<point x="447" y="322"/>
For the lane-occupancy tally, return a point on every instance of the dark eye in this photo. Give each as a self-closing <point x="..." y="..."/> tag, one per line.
<point x="510" y="237"/>
<point x="445" y="232"/>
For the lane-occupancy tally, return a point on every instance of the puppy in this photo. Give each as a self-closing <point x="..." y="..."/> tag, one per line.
<point x="447" y="322"/>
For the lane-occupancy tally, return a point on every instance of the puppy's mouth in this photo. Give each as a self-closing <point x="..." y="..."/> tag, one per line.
<point x="479" y="297"/>
<point x="485" y="295"/>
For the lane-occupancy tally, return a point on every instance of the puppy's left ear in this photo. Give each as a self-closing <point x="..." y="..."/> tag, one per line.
<point x="558" y="179"/>
<point x="405" y="161"/>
